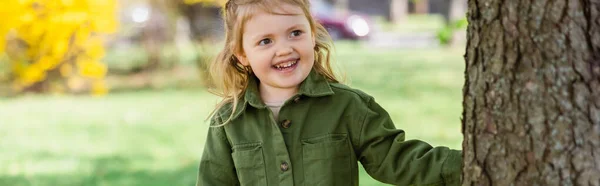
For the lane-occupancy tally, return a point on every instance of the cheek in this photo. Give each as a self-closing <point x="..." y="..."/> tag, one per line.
<point x="308" y="51"/>
<point x="259" y="58"/>
<point x="311" y="56"/>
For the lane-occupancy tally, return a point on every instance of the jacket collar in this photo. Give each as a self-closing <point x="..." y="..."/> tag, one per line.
<point x="315" y="85"/>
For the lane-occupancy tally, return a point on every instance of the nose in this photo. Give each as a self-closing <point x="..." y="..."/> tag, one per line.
<point x="284" y="49"/>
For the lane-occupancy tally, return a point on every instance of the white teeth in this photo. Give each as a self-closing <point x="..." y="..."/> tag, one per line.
<point x="286" y="64"/>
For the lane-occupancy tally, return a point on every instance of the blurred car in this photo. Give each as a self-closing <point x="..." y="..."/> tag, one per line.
<point x="339" y="23"/>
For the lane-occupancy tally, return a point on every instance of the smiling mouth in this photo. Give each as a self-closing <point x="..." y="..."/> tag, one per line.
<point x="286" y="65"/>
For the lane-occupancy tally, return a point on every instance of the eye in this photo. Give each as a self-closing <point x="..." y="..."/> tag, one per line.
<point x="296" y="33"/>
<point x="264" y="42"/>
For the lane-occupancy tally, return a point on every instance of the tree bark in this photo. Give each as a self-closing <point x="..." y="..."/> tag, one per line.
<point x="532" y="93"/>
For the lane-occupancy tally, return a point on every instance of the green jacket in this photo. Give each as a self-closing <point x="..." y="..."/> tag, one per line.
<point x="317" y="140"/>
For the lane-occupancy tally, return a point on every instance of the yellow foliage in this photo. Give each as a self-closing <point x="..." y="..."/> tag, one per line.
<point x="47" y="63"/>
<point x="60" y="48"/>
<point x="91" y="69"/>
<point x="75" y="83"/>
<point x="66" y="70"/>
<point x="57" y="35"/>
<point x="32" y="74"/>
<point x="99" y="88"/>
<point x="95" y="49"/>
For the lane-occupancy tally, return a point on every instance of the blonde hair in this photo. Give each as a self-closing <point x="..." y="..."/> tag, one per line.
<point x="230" y="78"/>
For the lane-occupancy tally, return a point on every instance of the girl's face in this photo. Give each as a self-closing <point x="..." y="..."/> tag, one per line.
<point x="278" y="47"/>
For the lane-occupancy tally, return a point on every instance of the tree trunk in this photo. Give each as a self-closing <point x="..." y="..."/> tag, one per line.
<point x="158" y="33"/>
<point x="399" y="11"/>
<point x="205" y="21"/>
<point x="532" y="93"/>
<point x="422" y="6"/>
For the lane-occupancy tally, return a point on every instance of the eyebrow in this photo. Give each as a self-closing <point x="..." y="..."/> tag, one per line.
<point x="299" y="25"/>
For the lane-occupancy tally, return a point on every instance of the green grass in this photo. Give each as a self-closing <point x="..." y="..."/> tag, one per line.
<point x="156" y="137"/>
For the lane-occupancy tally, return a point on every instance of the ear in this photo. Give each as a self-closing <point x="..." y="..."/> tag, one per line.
<point x="242" y="58"/>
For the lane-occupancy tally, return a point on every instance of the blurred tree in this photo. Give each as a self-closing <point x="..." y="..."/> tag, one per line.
<point x="158" y="33"/>
<point x="453" y="33"/>
<point x="399" y="11"/>
<point x="205" y="23"/>
<point x="457" y="18"/>
<point x="339" y="4"/>
<point x="421" y="6"/>
<point x="206" y="2"/>
<point x="458" y="10"/>
<point x="56" y="45"/>
<point x="204" y="18"/>
<point x="532" y="93"/>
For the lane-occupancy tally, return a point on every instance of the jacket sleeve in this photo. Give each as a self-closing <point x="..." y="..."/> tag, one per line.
<point x="216" y="165"/>
<point x="387" y="157"/>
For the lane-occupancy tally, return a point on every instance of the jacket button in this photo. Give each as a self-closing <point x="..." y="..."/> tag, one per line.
<point x="297" y="99"/>
<point x="286" y="124"/>
<point x="284" y="166"/>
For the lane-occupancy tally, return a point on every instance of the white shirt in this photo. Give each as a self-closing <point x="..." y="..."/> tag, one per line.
<point x="275" y="107"/>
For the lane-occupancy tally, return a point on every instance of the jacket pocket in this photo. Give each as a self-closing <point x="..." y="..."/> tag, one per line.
<point x="249" y="164"/>
<point x="327" y="160"/>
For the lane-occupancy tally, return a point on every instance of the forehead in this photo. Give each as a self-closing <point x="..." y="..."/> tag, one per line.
<point x="279" y="17"/>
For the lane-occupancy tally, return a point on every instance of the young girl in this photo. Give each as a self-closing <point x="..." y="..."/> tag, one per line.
<point x="285" y="119"/>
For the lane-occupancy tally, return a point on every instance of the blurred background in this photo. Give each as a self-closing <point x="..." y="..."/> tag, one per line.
<point x="114" y="92"/>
